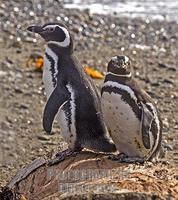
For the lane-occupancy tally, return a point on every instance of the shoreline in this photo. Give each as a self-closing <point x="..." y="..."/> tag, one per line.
<point x="131" y="15"/>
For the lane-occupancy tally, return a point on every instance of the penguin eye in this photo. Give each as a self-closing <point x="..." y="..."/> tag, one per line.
<point x="51" y="29"/>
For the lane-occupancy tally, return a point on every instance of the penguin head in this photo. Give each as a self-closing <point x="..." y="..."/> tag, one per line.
<point x="55" y="34"/>
<point x="119" y="65"/>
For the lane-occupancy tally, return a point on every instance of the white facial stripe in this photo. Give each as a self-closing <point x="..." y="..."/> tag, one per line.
<point x="123" y="87"/>
<point x="50" y="26"/>
<point x="120" y="75"/>
<point x="73" y="108"/>
<point x="115" y="59"/>
<point x="126" y="59"/>
<point x="66" y="42"/>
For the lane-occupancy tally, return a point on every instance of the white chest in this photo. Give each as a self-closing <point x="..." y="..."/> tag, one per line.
<point x="123" y="125"/>
<point x="47" y="78"/>
<point x="66" y="120"/>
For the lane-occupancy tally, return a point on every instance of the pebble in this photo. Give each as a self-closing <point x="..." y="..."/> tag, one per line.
<point x="165" y="123"/>
<point x="155" y="84"/>
<point x="162" y="65"/>
<point x="174" y="69"/>
<point x="4" y="125"/>
<point x="77" y="29"/>
<point x="49" y="143"/>
<point x="18" y="51"/>
<point x="30" y="40"/>
<point x="169" y="81"/>
<point x="3" y="73"/>
<point x="24" y="106"/>
<point x="43" y="137"/>
<point x="174" y="95"/>
<point x="167" y="146"/>
<point x="18" y="90"/>
<point x="176" y="177"/>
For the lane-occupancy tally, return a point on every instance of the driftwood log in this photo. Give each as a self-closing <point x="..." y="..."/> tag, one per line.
<point x="92" y="176"/>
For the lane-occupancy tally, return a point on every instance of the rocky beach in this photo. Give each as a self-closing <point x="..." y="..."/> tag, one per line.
<point x="152" y="46"/>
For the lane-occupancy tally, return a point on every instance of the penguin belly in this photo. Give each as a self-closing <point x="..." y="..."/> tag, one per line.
<point x="68" y="135"/>
<point x="66" y="119"/>
<point x="123" y="125"/>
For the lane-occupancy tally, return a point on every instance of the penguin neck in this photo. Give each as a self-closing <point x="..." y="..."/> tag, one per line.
<point x="56" y="61"/>
<point x="61" y="51"/>
<point x="120" y="72"/>
<point x="118" y="75"/>
<point x="129" y="75"/>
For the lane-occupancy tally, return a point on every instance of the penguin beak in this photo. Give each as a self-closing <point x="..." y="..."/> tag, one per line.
<point x="35" y="29"/>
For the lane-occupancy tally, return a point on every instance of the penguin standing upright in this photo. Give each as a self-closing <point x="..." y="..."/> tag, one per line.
<point x="130" y="114"/>
<point x="72" y="97"/>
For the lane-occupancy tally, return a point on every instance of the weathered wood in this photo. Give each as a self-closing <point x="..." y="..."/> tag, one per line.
<point x="91" y="175"/>
<point x="25" y="171"/>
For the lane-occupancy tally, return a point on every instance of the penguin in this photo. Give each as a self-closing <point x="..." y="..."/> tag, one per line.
<point x="130" y="114"/>
<point x="72" y="98"/>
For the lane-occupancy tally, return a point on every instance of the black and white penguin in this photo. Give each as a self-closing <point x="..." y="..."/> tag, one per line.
<point x="130" y="114"/>
<point x="72" y="97"/>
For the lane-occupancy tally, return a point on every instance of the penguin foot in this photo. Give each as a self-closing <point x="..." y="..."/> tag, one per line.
<point x="123" y="158"/>
<point x="118" y="157"/>
<point x="133" y="160"/>
<point x="60" y="156"/>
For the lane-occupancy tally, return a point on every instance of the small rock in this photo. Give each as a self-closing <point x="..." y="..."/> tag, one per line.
<point x="23" y="106"/>
<point x="165" y="123"/>
<point x="8" y="60"/>
<point x="77" y="29"/>
<point x="155" y="84"/>
<point x="18" y="51"/>
<point x="29" y="40"/>
<point x="2" y="73"/>
<point x="169" y="81"/>
<point x="162" y="65"/>
<point x="164" y="37"/>
<point x="43" y="137"/>
<point x="167" y="146"/>
<point x="4" y="125"/>
<point x="172" y="69"/>
<point x="18" y="90"/>
<point x="176" y="177"/>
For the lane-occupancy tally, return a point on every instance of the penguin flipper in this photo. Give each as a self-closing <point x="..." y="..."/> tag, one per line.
<point x="146" y="122"/>
<point x="58" y="98"/>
